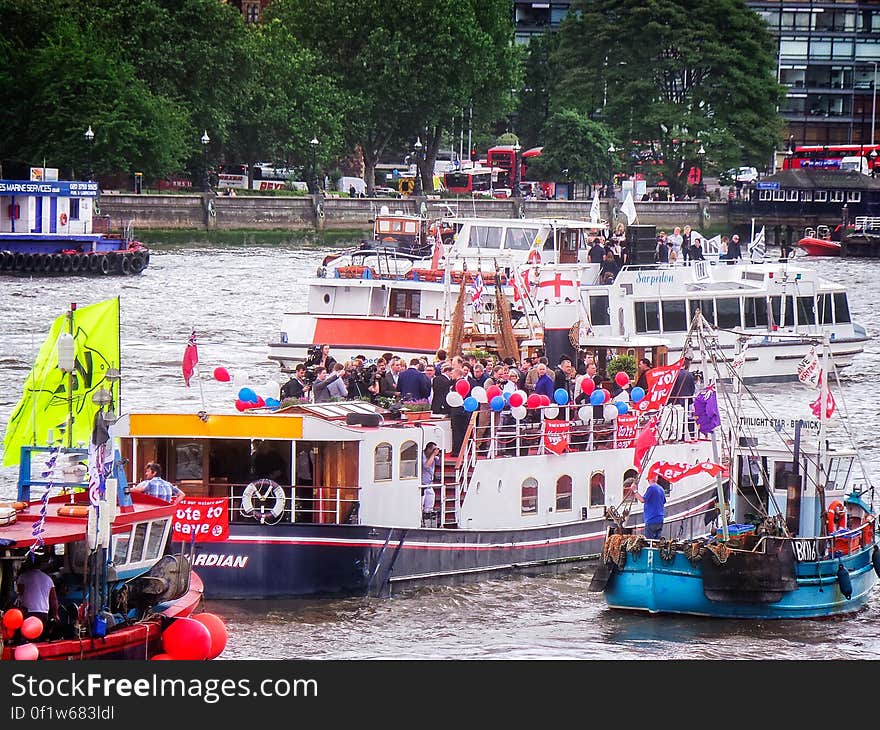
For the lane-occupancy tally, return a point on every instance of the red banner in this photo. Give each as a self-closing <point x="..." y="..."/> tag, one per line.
<point x="660" y="381"/>
<point x="627" y="428"/>
<point x="201" y="519"/>
<point x="674" y="472"/>
<point x="556" y="435"/>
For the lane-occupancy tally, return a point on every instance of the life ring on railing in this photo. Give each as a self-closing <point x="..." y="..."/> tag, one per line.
<point x="63" y="219"/>
<point x="264" y="501"/>
<point x="706" y="214"/>
<point x="73" y="510"/>
<point x="212" y="211"/>
<point x="534" y="256"/>
<point x="835" y="517"/>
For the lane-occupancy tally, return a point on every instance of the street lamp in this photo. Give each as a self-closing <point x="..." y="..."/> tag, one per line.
<point x="611" y="150"/>
<point x="873" y="157"/>
<point x="701" y="154"/>
<point x="515" y="172"/>
<point x="90" y="137"/>
<point x="313" y="182"/>
<point x="206" y="184"/>
<point x="417" y="183"/>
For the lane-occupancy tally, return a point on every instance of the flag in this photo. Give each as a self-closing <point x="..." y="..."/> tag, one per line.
<point x="629" y="210"/>
<point x="712" y="245"/>
<point x="476" y="292"/>
<point x="706" y="412"/>
<point x="830" y="406"/>
<point x="758" y="248"/>
<point x="44" y="402"/>
<point x="521" y="289"/>
<point x="595" y="212"/>
<point x="674" y="472"/>
<point x="556" y="433"/>
<point x="190" y="358"/>
<point x="809" y="370"/>
<point x="660" y="381"/>
<point x="645" y="441"/>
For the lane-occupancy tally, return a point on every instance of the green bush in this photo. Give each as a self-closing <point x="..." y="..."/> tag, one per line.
<point x="627" y="363"/>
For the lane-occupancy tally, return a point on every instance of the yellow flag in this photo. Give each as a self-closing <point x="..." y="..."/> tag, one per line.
<point x="45" y="402"/>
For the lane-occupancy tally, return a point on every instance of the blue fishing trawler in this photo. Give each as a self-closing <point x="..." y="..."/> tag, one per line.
<point x="52" y="227"/>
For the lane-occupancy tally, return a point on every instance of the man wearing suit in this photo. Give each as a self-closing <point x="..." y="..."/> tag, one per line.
<point x="413" y="384"/>
<point x="388" y="384"/>
<point x="440" y="387"/>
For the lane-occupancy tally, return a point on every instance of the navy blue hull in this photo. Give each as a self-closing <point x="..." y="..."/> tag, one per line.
<point x="282" y="561"/>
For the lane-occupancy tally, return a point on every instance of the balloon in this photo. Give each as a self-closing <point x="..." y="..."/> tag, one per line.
<point x="545" y="399"/>
<point x="462" y="387"/>
<point x="622" y="379"/>
<point x="241" y="405"/>
<point x="492" y="391"/>
<point x="622" y="396"/>
<point x="551" y="412"/>
<point x="222" y="374"/>
<point x="31" y="627"/>
<point x="621" y="407"/>
<point x="506" y="396"/>
<point x="560" y="395"/>
<point x="518" y="412"/>
<point x="516" y="399"/>
<point x="534" y="400"/>
<point x="479" y="392"/>
<point x="260" y="402"/>
<point x="162" y="656"/>
<point x="454" y="399"/>
<point x="585" y="413"/>
<point x="27" y="652"/>
<point x="588" y="386"/>
<point x="13" y="619"/>
<point x="471" y="404"/>
<point x="596" y="398"/>
<point x="606" y="396"/>
<point x="217" y="629"/>
<point x="272" y="402"/>
<point x="247" y="395"/>
<point x="522" y="393"/>
<point x="509" y="387"/>
<point x="610" y="411"/>
<point x="497" y="403"/>
<point x="187" y="638"/>
<point x="272" y="389"/>
<point x="637" y="394"/>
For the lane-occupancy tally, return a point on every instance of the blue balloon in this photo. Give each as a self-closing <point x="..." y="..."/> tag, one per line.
<point x="272" y="402"/>
<point x="622" y="407"/>
<point x="247" y="395"/>
<point x="497" y="403"/>
<point x="471" y="404"/>
<point x="506" y="397"/>
<point x="560" y="395"/>
<point x="597" y="398"/>
<point x="637" y="394"/>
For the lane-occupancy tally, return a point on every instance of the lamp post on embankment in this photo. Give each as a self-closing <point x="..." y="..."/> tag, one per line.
<point x="206" y="182"/>
<point x="90" y="139"/>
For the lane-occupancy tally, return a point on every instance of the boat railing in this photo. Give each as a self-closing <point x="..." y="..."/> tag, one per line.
<point x="300" y="503"/>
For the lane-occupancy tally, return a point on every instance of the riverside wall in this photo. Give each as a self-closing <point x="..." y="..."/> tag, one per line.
<point x="208" y="211"/>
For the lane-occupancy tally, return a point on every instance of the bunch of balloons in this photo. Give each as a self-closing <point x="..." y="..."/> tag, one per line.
<point x="201" y="637"/>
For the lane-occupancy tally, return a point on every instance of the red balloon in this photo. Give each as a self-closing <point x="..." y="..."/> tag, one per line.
<point x="31" y="627"/>
<point x="162" y="656"/>
<point x="241" y="405"/>
<point x="492" y="391"/>
<point x="463" y="387"/>
<point x="217" y="629"/>
<point x="222" y="374"/>
<point x="545" y="400"/>
<point x="260" y="403"/>
<point x="588" y="386"/>
<point x="187" y="638"/>
<point x="13" y="619"/>
<point x="622" y="379"/>
<point x="516" y="399"/>
<point x="533" y="401"/>
<point x="606" y="394"/>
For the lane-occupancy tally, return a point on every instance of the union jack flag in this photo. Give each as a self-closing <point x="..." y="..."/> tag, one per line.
<point x="477" y="292"/>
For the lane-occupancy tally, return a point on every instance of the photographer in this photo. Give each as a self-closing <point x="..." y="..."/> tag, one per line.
<point x="297" y="386"/>
<point x="360" y="378"/>
<point x="430" y="457"/>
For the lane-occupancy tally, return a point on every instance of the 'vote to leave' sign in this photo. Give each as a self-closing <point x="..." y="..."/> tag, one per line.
<point x="200" y="519"/>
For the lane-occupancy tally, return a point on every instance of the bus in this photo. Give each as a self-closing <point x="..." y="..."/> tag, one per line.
<point x="503" y="157"/>
<point x="470" y="181"/>
<point x="828" y="156"/>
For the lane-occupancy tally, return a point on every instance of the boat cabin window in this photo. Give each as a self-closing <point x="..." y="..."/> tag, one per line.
<point x="706" y="307"/>
<point x="485" y="237"/>
<point x="156" y="540"/>
<point x="409" y="460"/>
<point x="529" y="496"/>
<point x="805" y="312"/>
<point x="519" y="239"/>
<point x="563" y="493"/>
<point x="600" y="311"/>
<point x="137" y="544"/>
<point x="120" y="547"/>
<point x="755" y="310"/>
<point x="630" y="475"/>
<point x="74" y="209"/>
<point x="841" y="308"/>
<point x="727" y="312"/>
<point x="674" y="316"/>
<point x="382" y="462"/>
<point x="405" y="303"/>
<point x="839" y="470"/>
<point x="188" y="461"/>
<point x="647" y="316"/>
<point x="780" y="470"/>
<point x="597" y="489"/>
<point x="824" y="308"/>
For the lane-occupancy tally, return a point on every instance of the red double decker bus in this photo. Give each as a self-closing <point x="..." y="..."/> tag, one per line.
<point x="503" y="157"/>
<point x="828" y="156"/>
<point x="469" y="181"/>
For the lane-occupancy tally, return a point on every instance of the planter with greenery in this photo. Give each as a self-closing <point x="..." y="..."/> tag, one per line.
<point x="627" y="363"/>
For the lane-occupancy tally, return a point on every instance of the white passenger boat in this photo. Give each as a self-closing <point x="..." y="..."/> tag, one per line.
<point x="369" y="309"/>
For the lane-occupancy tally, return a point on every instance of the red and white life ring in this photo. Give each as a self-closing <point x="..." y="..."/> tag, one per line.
<point x="63" y="219"/>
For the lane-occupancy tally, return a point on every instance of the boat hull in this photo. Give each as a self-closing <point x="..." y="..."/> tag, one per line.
<point x="648" y="583"/>
<point x="819" y="246"/>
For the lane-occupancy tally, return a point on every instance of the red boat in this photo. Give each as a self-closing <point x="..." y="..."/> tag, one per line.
<point x="819" y="246"/>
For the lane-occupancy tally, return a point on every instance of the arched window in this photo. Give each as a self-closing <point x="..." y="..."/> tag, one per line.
<point x="631" y="474"/>
<point x="382" y="462"/>
<point x="563" y="493"/>
<point x="529" y="491"/>
<point x="409" y="460"/>
<point x="597" y="489"/>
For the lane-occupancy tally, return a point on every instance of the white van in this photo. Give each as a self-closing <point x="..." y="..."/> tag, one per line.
<point x="346" y="183"/>
<point x="858" y="164"/>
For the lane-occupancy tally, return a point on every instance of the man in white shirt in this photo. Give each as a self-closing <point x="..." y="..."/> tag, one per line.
<point x="37" y="593"/>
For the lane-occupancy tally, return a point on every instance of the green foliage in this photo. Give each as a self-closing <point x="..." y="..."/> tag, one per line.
<point x="627" y="363"/>
<point x="575" y="143"/>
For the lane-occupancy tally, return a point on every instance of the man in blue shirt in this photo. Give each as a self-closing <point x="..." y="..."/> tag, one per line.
<point x="654" y="501"/>
<point x="155" y="485"/>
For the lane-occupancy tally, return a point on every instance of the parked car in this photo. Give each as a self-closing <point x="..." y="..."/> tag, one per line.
<point x="745" y="175"/>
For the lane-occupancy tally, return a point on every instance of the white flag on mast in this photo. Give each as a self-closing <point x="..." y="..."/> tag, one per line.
<point x="758" y="248"/>
<point x="629" y="210"/>
<point x="594" y="208"/>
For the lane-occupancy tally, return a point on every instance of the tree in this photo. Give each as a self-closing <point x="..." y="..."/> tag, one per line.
<point x="674" y="74"/>
<point x="574" y="143"/>
<point x="539" y="76"/>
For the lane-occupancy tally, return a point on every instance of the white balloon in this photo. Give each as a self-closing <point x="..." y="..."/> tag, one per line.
<point x="585" y="413"/>
<point x="271" y="389"/>
<point x="518" y="412"/>
<point x="509" y="387"/>
<point x="479" y="392"/>
<point x="551" y="412"/>
<point x="454" y="399"/>
<point x="610" y="411"/>
<point x="622" y="397"/>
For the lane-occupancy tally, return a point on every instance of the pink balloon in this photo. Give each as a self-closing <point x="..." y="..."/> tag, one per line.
<point x="588" y="386"/>
<point x="222" y="374"/>
<point x="27" y="652"/>
<point x="622" y="379"/>
<point x="606" y="394"/>
<point x="516" y="399"/>
<point x="463" y="387"/>
<point x="32" y="627"/>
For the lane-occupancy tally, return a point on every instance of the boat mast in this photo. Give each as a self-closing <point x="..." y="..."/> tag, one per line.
<point x="823" y="404"/>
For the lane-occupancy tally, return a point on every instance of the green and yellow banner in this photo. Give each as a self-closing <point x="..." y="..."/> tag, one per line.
<point x="50" y="393"/>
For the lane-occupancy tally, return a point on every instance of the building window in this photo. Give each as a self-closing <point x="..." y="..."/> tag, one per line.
<point x="563" y="493"/>
<point x="529" y="496"/>
<point x="852" y="196"/>
<point x="821" y="196"/>
<point x="597" y="489"/>
<point x="765" y="195"/>
<point x="382" y="463"/>
<point x="409" y="460"/>
<point x="806" y="196"/>
<point x="779" y="195"/>
<point x="251" y="12"/>
<point x="792" y="196"/>
<point x="837" y="196"/>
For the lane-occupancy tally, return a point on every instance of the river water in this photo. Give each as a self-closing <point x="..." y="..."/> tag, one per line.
<point x="232" y="292"/>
